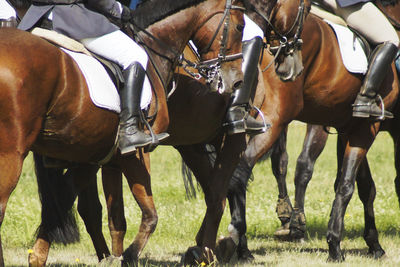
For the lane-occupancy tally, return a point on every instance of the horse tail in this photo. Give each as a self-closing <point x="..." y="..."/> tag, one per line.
<point x="187" y="176"/>
<point x="57" y="196"/>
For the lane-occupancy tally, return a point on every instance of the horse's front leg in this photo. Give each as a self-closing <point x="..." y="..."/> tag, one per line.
<point x="215" y="187"/>
<point x="137" y="172"/>
<point x="314" y="143"/>
<point x="357" y="145"/>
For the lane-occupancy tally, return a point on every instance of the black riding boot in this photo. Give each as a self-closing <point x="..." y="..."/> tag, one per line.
<point x="238" y="119"/>
<point x="8" y="23"/>
<point x="365" y="104"/>
<point x="131" y="135"/>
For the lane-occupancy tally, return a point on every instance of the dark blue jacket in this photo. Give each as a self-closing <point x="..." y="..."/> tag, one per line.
<point x="345" y="3"/>
<point x="85" y="19"/>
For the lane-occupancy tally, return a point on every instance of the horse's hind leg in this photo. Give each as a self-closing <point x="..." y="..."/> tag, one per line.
<point x="136" y="170"/>
<point x="10" y="170"/>
<point x="90" y="209"/>
<point x="112" y="186"/>
<point x="357" y="146"/>
<point x="314" y="143"/>
<point x="367" y="193"/>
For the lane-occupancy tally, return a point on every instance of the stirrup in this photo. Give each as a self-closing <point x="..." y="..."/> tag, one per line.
<point x="267" y="126"/>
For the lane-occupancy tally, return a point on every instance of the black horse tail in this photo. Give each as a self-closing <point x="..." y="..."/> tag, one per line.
<point x="57" y="195"/>
<point x="187" y="176"/>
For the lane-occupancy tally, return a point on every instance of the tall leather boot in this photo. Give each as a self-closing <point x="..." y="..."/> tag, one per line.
<point x="238" y="119"/>
<point x="131" y="135"/>
<point x="8" y="23"/>
<point x="365" y="104"/>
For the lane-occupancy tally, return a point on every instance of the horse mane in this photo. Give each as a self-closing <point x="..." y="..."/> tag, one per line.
<point x="20" y="3"/>
<point x="389" y="2"/>
<point x="151" y="11"/>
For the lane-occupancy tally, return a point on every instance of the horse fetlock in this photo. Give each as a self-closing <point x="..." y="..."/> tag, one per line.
<point x="225" y="249"/>
<point x="335" y="253"/>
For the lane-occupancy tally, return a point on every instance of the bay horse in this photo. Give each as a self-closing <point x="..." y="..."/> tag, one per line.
<point x="47" y="108"/>
<point x="189" y="99"/>
<point x="323" y="96"/>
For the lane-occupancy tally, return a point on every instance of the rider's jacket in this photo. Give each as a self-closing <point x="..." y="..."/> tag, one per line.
<point x="344" y="3"/>
<point x="77" y="19"/>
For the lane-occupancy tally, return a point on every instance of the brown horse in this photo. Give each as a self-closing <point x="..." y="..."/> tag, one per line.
<point x="188" y="100"/>
<point x="322" y="95"/>
<point x="55" y="117"/>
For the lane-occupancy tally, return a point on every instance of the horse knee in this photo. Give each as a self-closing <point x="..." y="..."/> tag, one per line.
<point x="346" y="190"/>
<point x="304" y="170"/>
<point x="151" y="220"/>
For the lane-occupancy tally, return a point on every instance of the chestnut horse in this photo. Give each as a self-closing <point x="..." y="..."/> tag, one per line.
<point x="189" y="99"/>
<point x="322" y="95"/>
<point x="55" y="117"/>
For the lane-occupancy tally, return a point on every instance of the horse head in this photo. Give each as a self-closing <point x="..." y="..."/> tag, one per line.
<point x="212" y="25"/>
<point x="221" y="57"/>
<point x="282" y="22"/>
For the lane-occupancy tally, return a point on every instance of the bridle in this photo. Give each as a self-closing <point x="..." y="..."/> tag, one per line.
<point x="210" y="69"/>
<point x="287" y="45"/>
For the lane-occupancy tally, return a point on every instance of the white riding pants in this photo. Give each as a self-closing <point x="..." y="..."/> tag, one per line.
<point x="6" y="10"/>
<point x="251" y="29"/>
<point x="367" y="19"/>
<point x="117" y="47"/>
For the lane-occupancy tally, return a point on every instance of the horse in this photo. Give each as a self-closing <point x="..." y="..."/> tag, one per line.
<point x="323" y="96"/>
<point x="196" y="96"/>
<point x="314" y="142"/>
<point x="55" y="117"/>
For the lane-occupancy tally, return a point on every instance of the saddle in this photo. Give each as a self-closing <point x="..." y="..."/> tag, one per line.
<point x="63" y="41"/>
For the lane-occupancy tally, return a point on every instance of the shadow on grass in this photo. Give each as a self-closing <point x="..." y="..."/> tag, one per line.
<point x="317" y="230"/>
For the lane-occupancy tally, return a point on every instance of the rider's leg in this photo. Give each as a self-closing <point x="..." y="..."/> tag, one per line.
<point x="380" y="33"/>
<point x="365" y="104"/>
<point x="118" y="47"/>
<point x="238" y="119"/>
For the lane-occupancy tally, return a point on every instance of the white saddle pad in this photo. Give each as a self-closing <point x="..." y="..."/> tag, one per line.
<point x="353" y="55"/>
<point x="102" y="90"/>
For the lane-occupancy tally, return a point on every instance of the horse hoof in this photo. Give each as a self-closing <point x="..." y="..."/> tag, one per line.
<point x="377" y="254"/>
<point x="244" y="255"/>
<point x="128" y="259"/>
<point x="336" y="257"/>
<point x="110" y="261"/>
<point x="225" y="249"/>
<point x="283" y="232"/>
<point x="192" y="257"/>
<point x="34" y="260"/>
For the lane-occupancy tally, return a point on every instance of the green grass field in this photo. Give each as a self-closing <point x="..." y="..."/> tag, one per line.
<point x="179" y="218"/>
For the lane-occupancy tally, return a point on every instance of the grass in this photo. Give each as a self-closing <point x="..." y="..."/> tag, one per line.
<point x="179" y="218"/>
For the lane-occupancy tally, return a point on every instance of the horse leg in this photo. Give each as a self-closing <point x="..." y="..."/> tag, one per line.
<point x="136" y="171"/>
<point x="367" y="193"/>
<point x="214" y="182"/>
<point x="314" y="143"/>
<point x="396" y="139"/>
<point x="10" y="169"/>
<point x="357" y="146"/>
<point x="89" y="208"/>
<point x="112" y="186"/>
<point x="279" y="161"/>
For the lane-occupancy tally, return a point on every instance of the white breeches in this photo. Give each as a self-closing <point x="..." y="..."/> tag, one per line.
<point x="117" y="47"/>
<point x="6" y="10"/>
<point x="367" y="19"/>
<point x="251" y="29"/>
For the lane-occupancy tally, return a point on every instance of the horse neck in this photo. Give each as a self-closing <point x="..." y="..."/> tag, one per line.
<point x="391" y="11"/>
